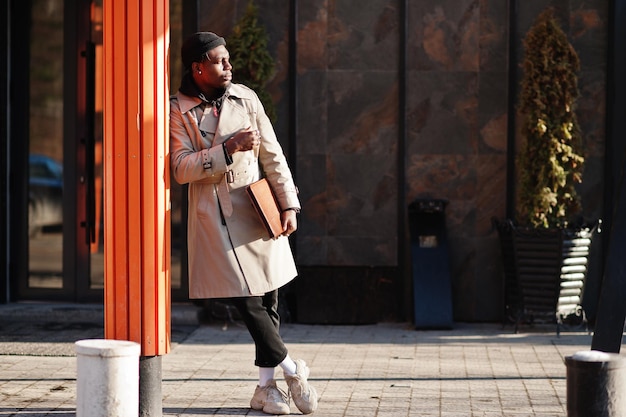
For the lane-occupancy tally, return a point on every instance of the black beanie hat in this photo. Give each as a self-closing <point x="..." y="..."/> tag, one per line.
<point x="197" y="45"/>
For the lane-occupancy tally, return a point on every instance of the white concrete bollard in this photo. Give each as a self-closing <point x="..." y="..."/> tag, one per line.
<point x="108" y="378"/>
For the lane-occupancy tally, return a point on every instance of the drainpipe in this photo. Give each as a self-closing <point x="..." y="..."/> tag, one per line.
<point x="510" y="147"/>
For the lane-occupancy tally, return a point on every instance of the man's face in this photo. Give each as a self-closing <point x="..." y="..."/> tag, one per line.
<point x="216" y="68"/>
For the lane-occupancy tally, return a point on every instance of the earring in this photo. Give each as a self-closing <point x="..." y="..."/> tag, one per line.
<point x="199" y="72"/>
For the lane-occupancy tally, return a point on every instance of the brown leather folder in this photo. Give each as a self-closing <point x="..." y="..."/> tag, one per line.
<point x="264" y="201"/>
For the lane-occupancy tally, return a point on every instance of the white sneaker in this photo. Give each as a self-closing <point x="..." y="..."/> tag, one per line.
<point x="303" y="394"/>
<point x="270" y="399"/>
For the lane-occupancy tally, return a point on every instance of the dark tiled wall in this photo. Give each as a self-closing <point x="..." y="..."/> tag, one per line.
<point x="349" y="143"/>
<point x="348" y="133"/>
<point x="456" y="139"/>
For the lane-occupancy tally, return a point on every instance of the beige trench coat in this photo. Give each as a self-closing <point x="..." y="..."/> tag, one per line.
<point x="230" y="256"/>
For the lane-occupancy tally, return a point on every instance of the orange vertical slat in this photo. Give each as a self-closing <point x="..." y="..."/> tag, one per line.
<point x="137" y="233"/>
<point x="135" y="209"/>
<point x="147" y="102"/>
<point x="107" y="88"/>
<point x="119" y="273"/>
<point x="161" y="117"/>
<point x="164" y="166"/>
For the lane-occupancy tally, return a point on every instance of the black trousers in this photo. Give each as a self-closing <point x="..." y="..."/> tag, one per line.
<point x="260" y="314"/>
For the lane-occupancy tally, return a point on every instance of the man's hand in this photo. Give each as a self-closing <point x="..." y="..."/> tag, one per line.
<point x="243" y="140"/>
<point x="289" y="221"/>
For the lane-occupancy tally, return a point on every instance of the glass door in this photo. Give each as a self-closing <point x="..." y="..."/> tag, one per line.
<point x="95" y="192"/>
<point x="63" y="134"/>
<point x="63" y="254"/>
<point x="45" y="145"/>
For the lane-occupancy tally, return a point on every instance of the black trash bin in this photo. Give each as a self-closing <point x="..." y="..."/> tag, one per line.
<point x="432" y="294"/>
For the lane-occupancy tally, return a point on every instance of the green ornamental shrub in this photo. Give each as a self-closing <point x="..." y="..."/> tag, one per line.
<point x="551" y="161"/>
<point x="253" y="65"/>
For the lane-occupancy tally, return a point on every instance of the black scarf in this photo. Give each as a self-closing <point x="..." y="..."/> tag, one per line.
<point x="189" y="88"/>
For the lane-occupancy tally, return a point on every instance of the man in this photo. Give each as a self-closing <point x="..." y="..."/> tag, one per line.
<point x="221" y="141"/>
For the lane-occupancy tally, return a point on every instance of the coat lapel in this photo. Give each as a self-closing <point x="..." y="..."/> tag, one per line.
<point x="233" y="118"/>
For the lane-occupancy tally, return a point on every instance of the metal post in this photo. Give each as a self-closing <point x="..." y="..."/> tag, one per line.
<point x="611" y="313"/>
<point x="150" y="398"/>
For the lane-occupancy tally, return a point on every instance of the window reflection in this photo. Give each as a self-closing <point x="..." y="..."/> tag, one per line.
<point x="45" y="207"/>
<point x="96" y="248"/>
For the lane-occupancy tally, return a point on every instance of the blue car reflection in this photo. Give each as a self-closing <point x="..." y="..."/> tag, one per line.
<point x="45" y="194"/>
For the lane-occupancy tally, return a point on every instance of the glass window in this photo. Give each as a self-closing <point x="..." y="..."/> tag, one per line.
<point x="45" y="193"/>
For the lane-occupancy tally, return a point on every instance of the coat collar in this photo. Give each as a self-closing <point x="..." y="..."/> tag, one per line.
<point x="235" y="91"/>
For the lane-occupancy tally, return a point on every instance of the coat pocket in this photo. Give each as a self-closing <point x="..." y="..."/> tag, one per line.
<point x="203" y="198"/>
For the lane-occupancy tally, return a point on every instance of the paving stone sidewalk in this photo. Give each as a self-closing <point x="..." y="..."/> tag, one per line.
<point x="381" y="370"/>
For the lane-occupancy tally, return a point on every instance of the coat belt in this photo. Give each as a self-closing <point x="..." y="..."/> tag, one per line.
<point x="223" y="192"/>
